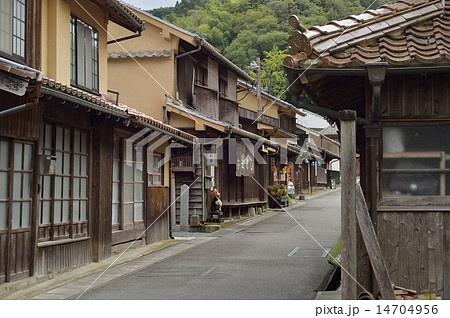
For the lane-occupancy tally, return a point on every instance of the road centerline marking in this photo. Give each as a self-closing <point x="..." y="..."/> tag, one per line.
<point x="295" y="250"/>
<point x="209" y="271"/>
<point x="326" y="252"/>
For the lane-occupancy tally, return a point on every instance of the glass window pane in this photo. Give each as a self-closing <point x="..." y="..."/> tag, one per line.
<point x="59" y="138"/>
<point x="26" y="214"/>
<point x="115" y="193"/>
<point x="16" y="215"/>
<point x="27" y="158"/>
<point x="415" y="147"/>
<point x="83" y="188"/>
<point x="138" y="187"/>
<point x="83" y="211"/>
<point x="6" y="27"/>
<point x="66" y="188"/>
<point x="138" y="171"/>
<point x="83" y="166"/>
<point x="156" y="163"/>
<point x="26" y="186"/>
<point x="128" y="171"/>
<point x="46" y="187"/>
<point x="65" y="211"/>
<point x="76" y="188"/>
<point x="3" y="216"/>
<point x="156" y="179"/>
<point x="48" y="136"/>
<point x="411" y="184"/>
<point x="45" y="212"/>
<point x="17" y="186"/>
<point x="58" y="187"/>
<point x="57" y="212"/>
<point x="67" y="164"/>
<point x="59" y="163"/>
<point x="76" y="141"/>
<point x="128" y="192"/>
<point x="116" y="170"/>
<point x="128" y="213"/>
<point x="4" y="185"/>
<point x="76" y="211"/>
<point x="84" y="143"/>
<point x="116" y="151"/>
<point x="138" y="209"/>
<point x="4" y="155"/>
<point x="115" y="214"/>
<point x="76" y="165"/>
<point x="67" y="141"/>
<point x="18" y="153"/>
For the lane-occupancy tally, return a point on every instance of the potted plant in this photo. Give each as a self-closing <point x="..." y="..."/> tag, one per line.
<point x="276" y="192"/>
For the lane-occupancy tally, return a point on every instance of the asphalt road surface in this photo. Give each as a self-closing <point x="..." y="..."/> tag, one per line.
<point x="276" y="258"/>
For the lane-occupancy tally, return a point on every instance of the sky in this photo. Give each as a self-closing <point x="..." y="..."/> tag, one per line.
<point x="151" y="4"/>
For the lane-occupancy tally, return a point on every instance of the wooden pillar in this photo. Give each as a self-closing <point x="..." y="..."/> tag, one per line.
<point x="348" y="204"/>
<point x="101" y="193"/>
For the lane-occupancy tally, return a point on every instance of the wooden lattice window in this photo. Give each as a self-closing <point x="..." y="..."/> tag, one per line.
<point x="63" y="206"/>
<point x="128" y="184"/>
<point x="154" y="168"/>
<point x="200" y="75"/>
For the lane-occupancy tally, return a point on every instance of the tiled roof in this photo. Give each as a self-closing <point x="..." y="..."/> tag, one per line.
<point x="32" y="79"/>
<point x="139" y="54"/>
<point x="121" y="109"/>
<point x="121" y="14"/>
<point x="407" y="32"/>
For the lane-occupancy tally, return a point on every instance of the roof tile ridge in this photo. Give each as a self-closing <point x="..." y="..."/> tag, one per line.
<point x="316" y="29"/>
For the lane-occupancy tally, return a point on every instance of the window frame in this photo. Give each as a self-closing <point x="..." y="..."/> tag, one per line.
<point x="412" y="202"/>
<point x="85" y="70"/>
<point x="14" y="34"/>
<point x="71" y="229"/>
<point x="17" y="196"/>
<point x="200" y="75"/>
<point x="150" y="173"/>
<point x="122" y="160"/>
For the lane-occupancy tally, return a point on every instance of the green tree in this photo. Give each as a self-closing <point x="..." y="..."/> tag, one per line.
<point x="273" y="79"/>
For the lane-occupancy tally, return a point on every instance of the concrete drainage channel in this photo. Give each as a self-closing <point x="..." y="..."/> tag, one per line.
<point x="330" y="289"/>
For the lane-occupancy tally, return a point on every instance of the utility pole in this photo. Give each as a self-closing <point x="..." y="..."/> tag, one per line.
<point x="258" y="86"/>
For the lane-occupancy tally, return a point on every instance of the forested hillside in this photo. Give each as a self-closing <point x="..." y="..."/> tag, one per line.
<point x="245" y="29"/>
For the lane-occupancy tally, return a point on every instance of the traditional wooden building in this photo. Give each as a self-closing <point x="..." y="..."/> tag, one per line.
<point x="77" y="168"/>
<point x="183" y="80"/>
<point x="392" y="66"/>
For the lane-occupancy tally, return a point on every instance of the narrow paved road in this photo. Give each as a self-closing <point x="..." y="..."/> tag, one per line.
<point x="274" y="259"/>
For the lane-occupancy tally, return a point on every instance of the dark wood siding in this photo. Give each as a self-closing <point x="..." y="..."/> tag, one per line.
<point x="414" y="245"/>
<point x="157" y="214"/>
<point x="53" y="258"/>
<point x="207" y="101"/>
<point x="228" y="111"/>
<point x="416" y="97"/>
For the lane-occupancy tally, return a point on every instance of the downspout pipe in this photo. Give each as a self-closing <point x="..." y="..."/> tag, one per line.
<point x="129" y="37"/>
<point x="188" y="53"/>
<point x="376" y="74"/>
<point x="16" y="109"/>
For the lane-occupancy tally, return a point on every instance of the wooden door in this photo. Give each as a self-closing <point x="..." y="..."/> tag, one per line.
<point x="16" y="179"/>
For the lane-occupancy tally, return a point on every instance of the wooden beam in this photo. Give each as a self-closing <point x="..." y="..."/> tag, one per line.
<point x="373" y="247"/>
<point x="348" y="204"/>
